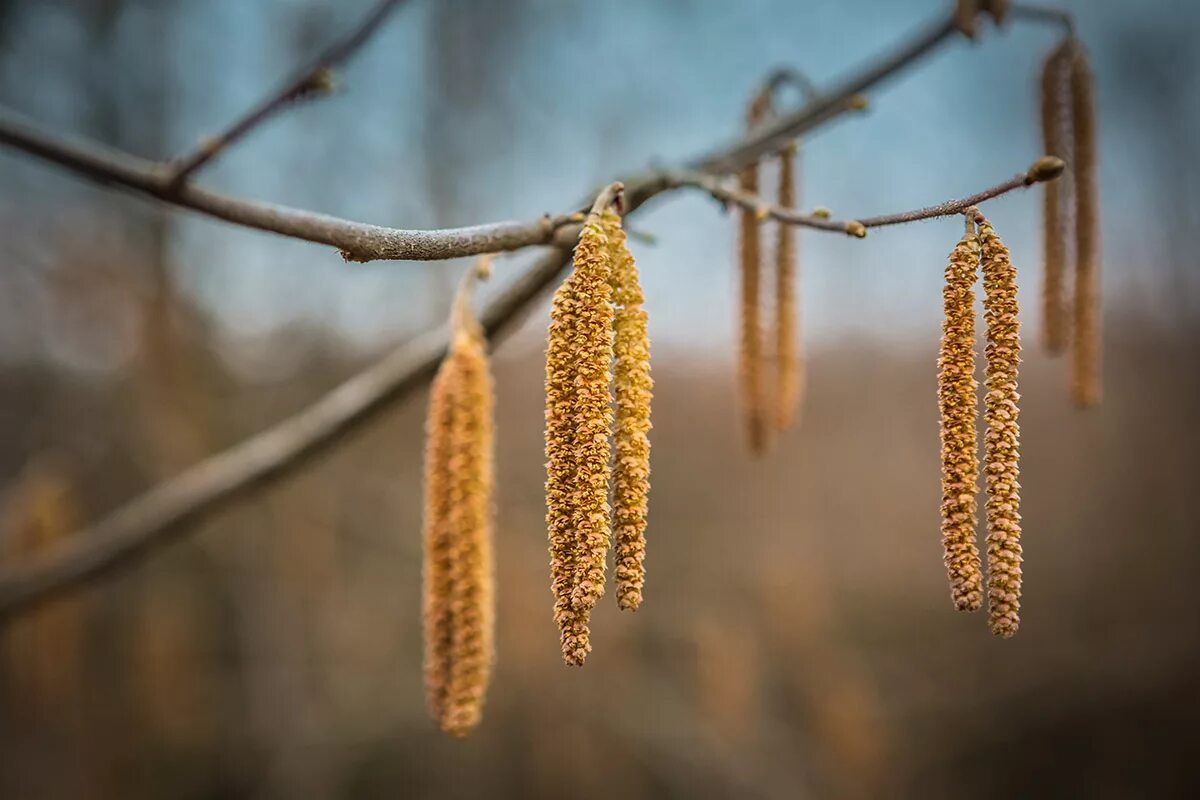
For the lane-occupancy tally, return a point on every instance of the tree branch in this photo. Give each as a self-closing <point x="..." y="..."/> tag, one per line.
<point x="316" y="79"/>
<point x="357" y="241"/>
<point x="168" y="510"/>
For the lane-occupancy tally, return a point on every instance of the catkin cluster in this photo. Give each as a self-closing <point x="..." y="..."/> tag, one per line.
<point x="770" y="402"/>
<point x="981" y="250"/>
<point x="458" y="598"/>
<point x="596" y="318"/>
<point x="959" y="412"/>
<point x="1069" y="131"/>
<point x="1002" y="441"/>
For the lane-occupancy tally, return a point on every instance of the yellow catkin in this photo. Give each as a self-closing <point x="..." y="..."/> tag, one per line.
<point x="458" y="571"/>
<point x="750" y="336"/>
<point x="789" y="355"/>
<point x="1002" y="441"/>
<point x="634" y="390"/>
<point x="959" y="412"/>
<point x="1055" y="214"/>
<point x="1085" y="363"/>
<point x="578" y="425"/>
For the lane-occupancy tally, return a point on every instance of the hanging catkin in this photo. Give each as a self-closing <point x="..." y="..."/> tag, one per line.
<point x="459" y="593"/>
<point x="634" y="390"/>
<point x="1002" y="456"/>
<point x="1056" y="141"/>
<point x="789" y="352"/>
<point x="959" y="411"/>
<point x="1085" y="363"/>
<point x="750" y="266"/>
<point x="578" y="425"/>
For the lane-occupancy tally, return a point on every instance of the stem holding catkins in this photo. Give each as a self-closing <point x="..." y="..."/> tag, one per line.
<point x="1002" y="441"/>
<point x="1085" y="363"/>
<point x="958" y="409"/>
<point x="459" y="605"/>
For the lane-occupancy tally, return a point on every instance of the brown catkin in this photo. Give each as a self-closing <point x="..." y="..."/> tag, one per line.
<point x="458" y="572"/>
<point x="789" y="356"/>
<point x="1085" y="362"/>
<point x="959" y="412"/>
<point x="1002" y="441"/>
<point x="966" y="14"/>
<point x="750" y="344"/>
<point x="634" y="390"/>
<point x="1056" y="135"/>
<point x="578" y="425"/>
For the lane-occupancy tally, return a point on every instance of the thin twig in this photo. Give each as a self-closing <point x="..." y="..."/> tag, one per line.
<point x="1045" y="168"/>
<point x="315" y="79"/>
<point x="357" y="241"/>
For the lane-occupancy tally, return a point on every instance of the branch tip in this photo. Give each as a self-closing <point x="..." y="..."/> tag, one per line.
<point x="1046" y="168"/>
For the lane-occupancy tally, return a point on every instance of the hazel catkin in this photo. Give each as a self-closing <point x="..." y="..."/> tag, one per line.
<point x="789" y="353"/>
<point x="959" y="412"/>
<point x="1056" y="141"/>
<point x="750" y="335"/>
<point x="458" y="573"/>
<point x="634" y="391"/>
<point x="1085" y="362"/>
<point x="1002" y="440"/>
<point x="578" y="425"/>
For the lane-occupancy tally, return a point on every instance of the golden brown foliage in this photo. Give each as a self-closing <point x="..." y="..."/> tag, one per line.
<point x="578" y="424"/>
<point x="789" y="355"/>
<point x="1085" y="365"/>
<point x="959" y="411"/>
<point x="459" y="480"/>
<point x="634" y="390"/>
<point x="1055" y="212"/>
<point x="1002" y="440"/>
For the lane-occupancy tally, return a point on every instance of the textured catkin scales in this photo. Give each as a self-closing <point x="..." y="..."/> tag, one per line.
<point x="1002" y="454"/>
<point x="472" y="605"/>
<point x="789" y="375"/>
<point x="458" y="601"/>
<point x="1056" y="141"/>
<point x="959" y="411"/>
<point x="436" y="570"/>
<point x="634" y="390"/>
<point x="1085" y="362"/>
<point x="578" y="425"/>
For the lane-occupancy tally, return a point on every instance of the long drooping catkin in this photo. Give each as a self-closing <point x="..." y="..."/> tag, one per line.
<point x="1056" y="141"/>
<point x="1002" y="456"/>
<point x="750" y="341"/>
<point x="1085" y="363"/>
<point x="959" y="411"/>
<point x="634" y="390"/>
<point x="789" y="353"/>
<point x="471" y="572"/>
<point x="458" y="579"/>
<point x="578" y="425"/>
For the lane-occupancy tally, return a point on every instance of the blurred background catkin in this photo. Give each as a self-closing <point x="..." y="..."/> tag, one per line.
<point x="796" y="638"/>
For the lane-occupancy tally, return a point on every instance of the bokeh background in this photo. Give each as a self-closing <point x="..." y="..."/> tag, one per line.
<point x="797" y="638"/>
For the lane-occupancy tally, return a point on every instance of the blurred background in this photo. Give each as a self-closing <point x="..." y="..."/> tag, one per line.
<point x="797" y="637"/>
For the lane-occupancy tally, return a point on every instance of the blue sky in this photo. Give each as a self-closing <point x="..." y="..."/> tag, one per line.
<point x="566" y="95"/>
